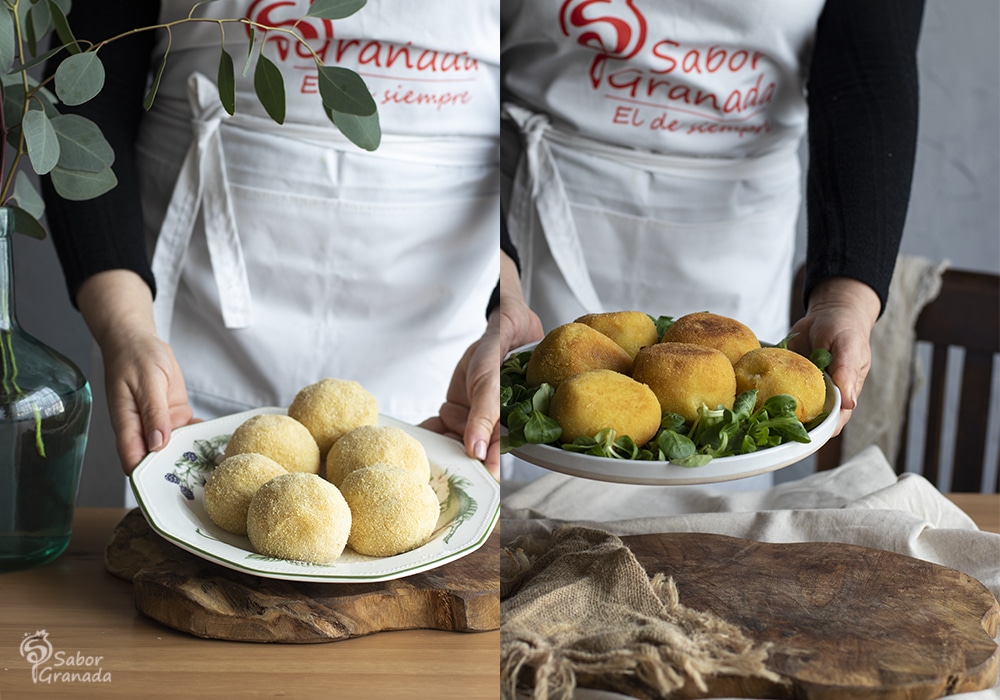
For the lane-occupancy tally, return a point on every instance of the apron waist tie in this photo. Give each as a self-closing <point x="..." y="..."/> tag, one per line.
<point x="202" y="187"/>
<point x="538" y="189"/>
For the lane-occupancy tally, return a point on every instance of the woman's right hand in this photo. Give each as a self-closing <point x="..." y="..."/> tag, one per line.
<point x="147" y="398"/>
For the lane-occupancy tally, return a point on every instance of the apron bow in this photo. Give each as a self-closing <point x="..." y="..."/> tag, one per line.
<point x="202" y="187"/>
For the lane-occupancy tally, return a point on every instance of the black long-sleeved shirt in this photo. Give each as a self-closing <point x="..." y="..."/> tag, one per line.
<point x="863" y="103"/>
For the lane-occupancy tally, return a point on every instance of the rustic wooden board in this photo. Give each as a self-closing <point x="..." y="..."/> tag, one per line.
<point x="190" y="594"/>
<point x="844" y="621"/>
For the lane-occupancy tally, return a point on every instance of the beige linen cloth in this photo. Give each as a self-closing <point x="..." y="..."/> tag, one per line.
<point x="862" y="502"/>
<point x="895" y="373"/>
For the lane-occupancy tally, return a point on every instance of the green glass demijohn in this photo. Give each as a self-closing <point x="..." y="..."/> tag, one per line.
<point x="45" y="405"/>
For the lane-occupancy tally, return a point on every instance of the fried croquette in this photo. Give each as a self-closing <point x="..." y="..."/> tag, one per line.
<point x="573" y="348"/>
<point x="629" y="329"/>
<point x="280" y="437"/>
<point x="373" y="444"/>
<point x="720" y="332"/>
<point x="589" y="402"/>
<point x="232" y="484"/>
<point x="684" y="376"/>
<point x="773" y="371"/>
<point x="299" y="516"/>
<point x="394" y="510"/>
<point x="332" y="407"/>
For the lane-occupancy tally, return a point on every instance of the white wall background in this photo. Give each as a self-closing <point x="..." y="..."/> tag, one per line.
<point x="954" y="211"/>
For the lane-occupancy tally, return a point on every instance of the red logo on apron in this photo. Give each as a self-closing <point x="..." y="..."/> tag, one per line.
<point x="613" y="28"/>
<point x="283" y="13"/>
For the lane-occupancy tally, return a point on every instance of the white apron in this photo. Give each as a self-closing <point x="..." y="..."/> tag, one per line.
<point x="285" y="254"/>
<point x="659" y="166"/>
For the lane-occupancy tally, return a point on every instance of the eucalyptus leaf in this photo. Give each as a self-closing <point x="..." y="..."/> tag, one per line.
<point x="41" y="141"/>
<point x="62" y="27"/>
<point x="147" y="101"/>
<point x="344" y="91"/>
<point x="79" y="78"/>
<point x="227" y="82"/>
<point x="270" y="88"/>
<point x="39" y="24"/>
<point x="82" y="146"/>
<point x="21" y="67"/>
<point x="27" y="196"/>
<point x="7" y="39"/>
<point x="79" y="185"/>
<point x="250" y="45"/>
<point x="334" y="9"/>
<point x="363" y="132"/>
<point x="26" y="223"/>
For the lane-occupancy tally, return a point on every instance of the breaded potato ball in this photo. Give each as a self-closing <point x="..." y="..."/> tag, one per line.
<point x="597" y="399"/>
<point x="232" y="484"/>
<point x="299" y="516"/>
<point x="571" y="349"/>
<point x="629" y="329"/>
<point x="684" y="376"/>
<point x="773" y="371"/>
<point x="394" y="510"/>
<point x="332" y="407"/>
<point x="720" y="332"/>
<point x="374" y="444"/>
<point x="280" y="437"/>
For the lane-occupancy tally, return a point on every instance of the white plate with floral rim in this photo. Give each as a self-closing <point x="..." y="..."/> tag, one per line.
<point x="626" y="471"/>
<point x="168" y="486"/>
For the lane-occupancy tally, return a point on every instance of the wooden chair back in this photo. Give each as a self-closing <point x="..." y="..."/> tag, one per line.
<point x="965" y="314"/>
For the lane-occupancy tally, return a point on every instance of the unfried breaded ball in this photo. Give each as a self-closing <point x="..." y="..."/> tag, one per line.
<point x="332" y="407"/>
<point x="684" y="376"/>
<point x="394" y="510"/>
<point x="299" y="516"/>
<point x="629" y="329"/>
<point x="720" y="332"/>
<point x="591" y="401"/>
<point x="773" y="371"/>
<point x="374" y="444"/>
<point x="232" y="484"/>
<point x="280" y="437"/>
<point x="570" y="349"/>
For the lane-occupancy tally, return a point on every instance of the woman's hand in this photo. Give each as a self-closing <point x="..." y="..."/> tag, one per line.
<point x="841" y="314"/>
<point x="471" y="411"/>
<point x="146" y="394"/>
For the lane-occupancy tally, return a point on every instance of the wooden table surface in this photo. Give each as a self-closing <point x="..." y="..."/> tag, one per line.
<point x="88" y="612"/>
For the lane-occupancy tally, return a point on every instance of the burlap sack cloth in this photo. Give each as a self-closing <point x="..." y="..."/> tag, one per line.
<point x="577" y="606"/>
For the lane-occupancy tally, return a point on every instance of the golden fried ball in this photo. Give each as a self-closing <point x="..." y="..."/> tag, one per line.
<point x="374" y="444"/>
<point x="232" y="484"/>
<point x="299" y="516"/>
<point x="573" y="348"/>
<point x="332" y="407"/>
<point x="684" y="376"/>
<point x="394" y="510"/>
<point x="591" y="401"/>
<point x="629" y="329"/>
<point x="280" y="437"/>
<point x="720" y="332"/>
<point x="773" y="371"/>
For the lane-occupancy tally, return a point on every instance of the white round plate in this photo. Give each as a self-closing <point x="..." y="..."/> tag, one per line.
<point x="168" y="486"/>
<point x="627" y="471"/>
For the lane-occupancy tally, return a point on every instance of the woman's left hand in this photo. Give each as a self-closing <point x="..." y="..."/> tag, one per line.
<point x="840" y="318"/>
